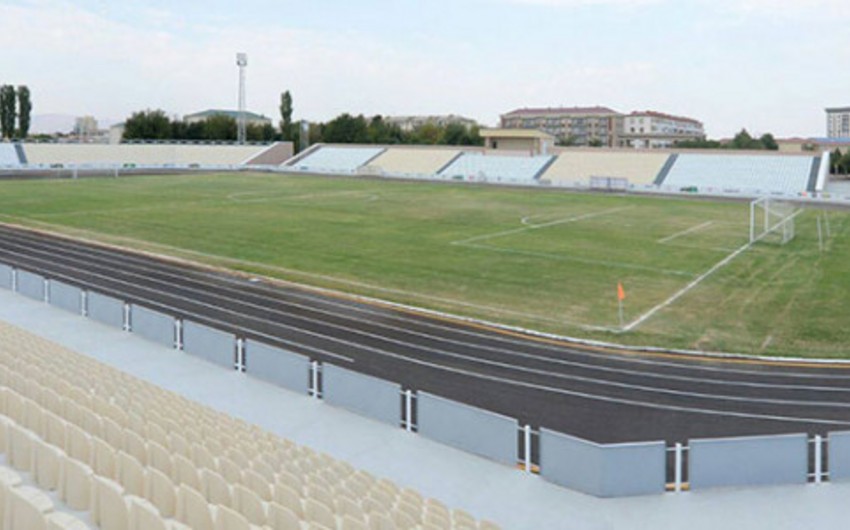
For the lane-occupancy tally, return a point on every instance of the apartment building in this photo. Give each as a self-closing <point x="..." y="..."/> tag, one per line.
<point x="656" y="130"/>
<point x="570" y="125"/>
<point x="838" y="122"/>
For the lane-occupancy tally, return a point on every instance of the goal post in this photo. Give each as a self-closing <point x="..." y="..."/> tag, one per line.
<point x="772" y="220"/>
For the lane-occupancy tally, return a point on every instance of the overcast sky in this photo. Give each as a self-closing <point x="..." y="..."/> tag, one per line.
<point x="768" y="65"/>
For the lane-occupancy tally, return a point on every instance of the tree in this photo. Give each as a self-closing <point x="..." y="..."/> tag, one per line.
<point x="286" y="116"/>
<point x="844" y="164"/>
<point x="768" y="142"/>
<point x="148" y="125"/>
<point x="24" y="109"/>
<point x="595" y="142"/>
<point x="835" y="161"/>
<point x="346" y="129"/>
<point x="428" y="133"/>
<point x="7" y="111"/>
<point x="220" y="127"/>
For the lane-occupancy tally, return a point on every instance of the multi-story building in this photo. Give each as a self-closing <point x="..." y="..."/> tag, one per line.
<point x="408" y="123"/>
<point x="649" y="129"/>
<point x="838" y="122"/>
<point x="570" y="125"/>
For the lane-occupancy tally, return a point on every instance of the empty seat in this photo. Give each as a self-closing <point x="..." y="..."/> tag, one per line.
<point x="109" y="509"/>
<point x="19" y="447"/>
<point x="130" y="474"/>
<point x="78" y="443"/>
<point x="249" y="504"/>
<point x="26" y="509"/>
<point x="64" y="521"/>
<point x="143" y="515"/>
<point x="103" y="460"/>
<point x="282" y="518"/>
<point x="75" y="483"/>
<point x="192" y="509"/>
<point x="46" y="460"/>
<point x="215" y="489"/>
<point x="319" y="512"/>
<point x="227" y="519"/>
<point x="161" y="492"/>
<point x="159" y="457"/>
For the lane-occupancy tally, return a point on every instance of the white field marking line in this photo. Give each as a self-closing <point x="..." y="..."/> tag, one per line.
<point x="686" y="232"/>
<point x="558" y="257"/>
<point x="265" y="197"/>
<point x="542" y="225"/>
<point x="681" y="292"/>
<point x="177" y="251"/>
<point x="539" y="372"/>
<point x="319" y="294"/>
<point x="109" y="259"/>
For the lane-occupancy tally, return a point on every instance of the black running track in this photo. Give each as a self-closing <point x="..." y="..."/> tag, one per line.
<point x="598" y="395"/>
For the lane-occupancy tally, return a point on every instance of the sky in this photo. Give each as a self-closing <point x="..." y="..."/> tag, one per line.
<point x="767" y="65"/>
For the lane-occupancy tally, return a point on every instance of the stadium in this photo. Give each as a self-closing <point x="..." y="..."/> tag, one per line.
<point x="610" y="323"/>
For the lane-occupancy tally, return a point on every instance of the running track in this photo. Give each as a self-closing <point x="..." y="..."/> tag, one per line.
<point x="603" y="396"/>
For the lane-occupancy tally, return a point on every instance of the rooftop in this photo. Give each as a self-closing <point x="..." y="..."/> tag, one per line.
<point x="838" y="109"/>
<point x="515" y="133"/>
<point x="557" y="111"/>
<point x="223" y="112"/>
<point x="655" y="114"/>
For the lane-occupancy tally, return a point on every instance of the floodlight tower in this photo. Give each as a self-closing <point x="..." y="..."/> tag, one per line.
<point x="241" y="62"/>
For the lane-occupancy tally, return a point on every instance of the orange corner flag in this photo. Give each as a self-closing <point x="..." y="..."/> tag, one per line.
<point x="621" y="293"/>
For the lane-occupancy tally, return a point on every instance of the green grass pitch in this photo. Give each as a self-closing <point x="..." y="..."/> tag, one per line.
<point x="543" y="259"/>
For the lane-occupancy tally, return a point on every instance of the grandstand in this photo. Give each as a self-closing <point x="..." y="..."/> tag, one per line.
<point x="498" y="168"/>
<point x="141" y="154"/>
<point x="85" y="443"/>
<point x="337" y="159"/>
<point x="742" y="173"/>
<point x="412" y="161"/>
<point x="9" y="154"/>
<point x="579" y="166"/>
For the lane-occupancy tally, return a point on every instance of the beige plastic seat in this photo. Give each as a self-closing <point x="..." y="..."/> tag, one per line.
<point x="183" y="471"/>
<point x="161" y="492"/>
<point x="112" y="433"/>
<point x="179" y="444"/>
<point x="290" y="498"/>
<point x="320" y="494"/>
<point x="203" y="458"/>
<point x="9" y="479"/>
<point x="157" y="434"/>
<point x="192" y="509"/>
<point x="109" y="509"/>
<point x="75" y="483"/>
<point x="90" y="422"/>
<point x="134" y="445"/>
<point x="65" y="521"/>
<point x="349" y="523"/>
<point x="228" y="519"/>
<point x="33" y="416"/>
<point x="54" y="429"/>
<point x="345" y="506"/>
<point x="104" y="459"/>
<point x="159" y="457"/>
<point x="436" y="519"/>
<point x="319" y="512"/>
<point x="45" y="468"/>
<point x="5" y="422"/>
<point x="130" y="474"/>
<point x="26" y="509"/>
<point x="282" y="518"/>
<point x="379" y="521"/>
<point x="230" y="470"/>
<point x="488" y="525"/>
<point x="215" y="489"/>
<point x="20" y="444"/>
<point x="143" y="515"/>
<point x="257" y="483"/>
<point x="78" y="443"/>
<point x="249" y="504"/>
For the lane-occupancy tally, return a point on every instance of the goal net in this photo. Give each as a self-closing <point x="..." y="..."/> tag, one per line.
<point x="772" y="220"/>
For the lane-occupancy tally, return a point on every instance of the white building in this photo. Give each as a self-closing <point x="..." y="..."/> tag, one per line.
<point x="656" y="130"/>
<point x="838" y="122"/>
<point x="408" y="123"/>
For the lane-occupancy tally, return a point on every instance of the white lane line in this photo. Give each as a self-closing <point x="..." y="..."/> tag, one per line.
<point x="542" y="225"/>
<point x="478" y="360"/>
<point x="686" y="232"/>
<point x="142" y="265"/>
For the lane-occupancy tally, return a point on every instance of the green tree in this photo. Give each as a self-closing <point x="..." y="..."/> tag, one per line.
<point x="25" y="110"/>
<point x="427" y="134"/>
<point x="7" y="111"/>
<point x="260" y="133"/>
<point x="768" y="142"/>
<point x="381" y="132"/>
<point x="220" y="127"/>
<point x="148" y="125"/>
<point x="595" y="142"/>
<point x="286" y="131"/>
<point x="844" y="165"/>
<point x="346" y="129"/>
<point x="835" y="161"/>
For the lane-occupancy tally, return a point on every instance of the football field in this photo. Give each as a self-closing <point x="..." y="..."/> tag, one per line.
<point x="546" y="260"/>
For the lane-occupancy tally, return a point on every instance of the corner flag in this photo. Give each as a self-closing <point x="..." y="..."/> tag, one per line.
<point x="621" y="293"/>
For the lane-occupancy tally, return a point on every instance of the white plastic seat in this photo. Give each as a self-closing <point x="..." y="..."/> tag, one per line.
<point x="161" y="492"/>
<point x="249" y="504"/>
<point x="130" y="474"/>
<point x="19" y="447"/>
<point x="282" y="518"/>
<point x="64" y="521"/>
<point x="290" y="498"/>
<point x="103" y="459"/>
<point x="75" y="483"/>
<point x="109" y="508"/>
<point x="78" y="443"/>
<point x="159" y="458"/>
<point x="183" y="471"/>
<point x="319" y="512"/>
<point x="192" y="509"/>
<point x="26" y="509"/>
<point x="228" y="519"/>
<point x="45" y="468"/>
<point x="143" y="515"/>
<point x="215" y="489"/>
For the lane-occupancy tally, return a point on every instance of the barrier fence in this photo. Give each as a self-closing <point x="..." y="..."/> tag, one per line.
<point x="602" y="470"/>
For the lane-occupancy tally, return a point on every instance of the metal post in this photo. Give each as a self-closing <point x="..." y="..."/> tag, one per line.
<point x="677" y="471"/>
<point x="84" y="305"/>
<point x="408" y="410"/>
<point x="240" y="355"/>
<point x="314" y="379"/>
<point x="46" y="291"/>
<point x="15" y="280"/>
<point x="178" y="334"/>
<point x="752" y="221"/>
<point x="818" y="458"/>
<point x="527" y="456"/>
<point x="126" y="317"/>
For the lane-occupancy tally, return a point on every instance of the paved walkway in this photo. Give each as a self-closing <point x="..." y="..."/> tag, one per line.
<point x="513" y="499"/>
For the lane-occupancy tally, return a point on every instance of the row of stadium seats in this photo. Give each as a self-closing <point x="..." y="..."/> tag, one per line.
<point x="338" y="159"/>
<point x="9" y="155"/>
<point x="477" y="166"/>
<point x="133" y="455"/>
<point x="782" y="174"/>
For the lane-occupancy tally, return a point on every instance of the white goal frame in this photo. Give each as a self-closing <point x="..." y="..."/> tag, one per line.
<point x="773" y="217"/>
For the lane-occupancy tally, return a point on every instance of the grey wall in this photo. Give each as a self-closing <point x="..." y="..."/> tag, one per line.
<point x="210" y="344"/>
<point x="5" y="276"/>
<point x="748" y="461"/>
<point x="362" y="394"/>
<point x="839" y="456"/>
<point x="469" y="428"/>
<point x="277" y="366"/>
<point x="615" y="470"/>
<point x="66" y="296"/>
<point x="105" y="309"/>
<point x="31" y="285"/>
<point x="152" y="325"/>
